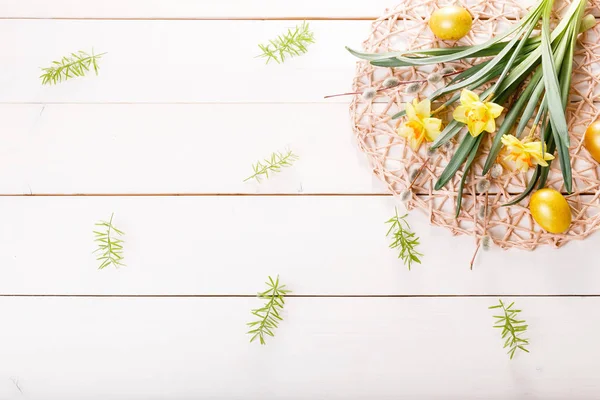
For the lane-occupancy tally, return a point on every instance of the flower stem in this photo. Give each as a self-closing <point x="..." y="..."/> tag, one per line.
<point x="401" y="83"/>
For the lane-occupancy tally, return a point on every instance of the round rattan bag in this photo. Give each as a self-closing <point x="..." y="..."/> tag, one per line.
<point x="483" y="212"/>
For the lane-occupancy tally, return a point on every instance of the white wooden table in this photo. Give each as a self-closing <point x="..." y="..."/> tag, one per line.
<point x="163" y="137"/>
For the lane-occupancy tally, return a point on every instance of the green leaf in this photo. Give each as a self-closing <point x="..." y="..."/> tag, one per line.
<point x="109" y="245"/>
<point x="274" y="163"/>
<point x="75" y="65"/>
<point x="466" y="52"/>
<point x="290" y="44"/>
<point x="533" y="97"/>
<point x="404" y="239"/>
<point x="268" y="315"/>
<point x="556" y="109"/>
<point x="457" y="160"/>
<point x="447" y="134"/>
<point x="512" y="328"/>
<point x="508" y="123"/>
<point x="472" y="155"/>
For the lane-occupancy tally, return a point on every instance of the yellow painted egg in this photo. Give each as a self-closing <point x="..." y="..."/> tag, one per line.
<point x="450" y="23"/>
<point x="591" y="140"/>
<point x="550" y="210"/>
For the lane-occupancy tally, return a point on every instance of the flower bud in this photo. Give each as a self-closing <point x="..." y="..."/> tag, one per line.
<point x="482" y="212"/>
<point x="369" y="93"/>
<point x="405" y="195"/>
<point x="486" y="242"/>
<point x="412" y="173"/>
<point x="434" y="77"/>
<point x="391" y="82"/>
<point x="483" y="185"/>
<point x="496" y="171"/>
<point x="587" y="22"/>
<point x="412" y="88"/>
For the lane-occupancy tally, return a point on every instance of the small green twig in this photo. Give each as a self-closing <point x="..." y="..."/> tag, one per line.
<point x="76" y="64"/>
<point x="512" y="328"/>
<point x="404" y="239"/>
<point x="292" y="43"/>
<point x="109" y="247"/>
<point x="268" y="315"/>
<point x="272" y="164"/>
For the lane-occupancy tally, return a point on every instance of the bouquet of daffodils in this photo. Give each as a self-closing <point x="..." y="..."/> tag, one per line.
<point x="534" y="69"/>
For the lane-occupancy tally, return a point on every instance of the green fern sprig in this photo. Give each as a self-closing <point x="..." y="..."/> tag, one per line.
<point x="268" y="315"/>
<point x="512" y="328"/>
<point x="71" y="66"/>
<point x="109" y="246"/>
<point x="404" y="239"/>
<point x="272" y="164"/>
<point x="292" y="43"/>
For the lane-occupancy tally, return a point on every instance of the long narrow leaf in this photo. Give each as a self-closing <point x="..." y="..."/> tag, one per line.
<point x="468" y="163"/>
<point x="459" y="157"/>
<point x="390" y="57"/>
<point x="515" y="54"/>
<point x="553" y="96"/>
<point x="468" y="52"/>
<point x="532" y="101"/>
<point x="528" y="189"/>
<point x="506" y="126"/>
<point x="448" y="133"/>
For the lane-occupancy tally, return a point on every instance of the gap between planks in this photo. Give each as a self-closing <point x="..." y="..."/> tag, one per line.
<point x="216" y="18"/>
<point x="223" y="194"/>
<point x="309" y="18"/>
<point x="301" y="296"/>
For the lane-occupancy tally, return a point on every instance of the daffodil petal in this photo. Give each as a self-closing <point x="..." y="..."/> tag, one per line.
<point x="512" y="142"/>
<point x="460" y="114"/>
<point x="404" y="130"/>
<point x="415" y="143"/>
<point x="476" y="127"/>
<point x="433" y="127"/>
<point x="507" y="140"/>
<point x="467" y="97"/>
<point x="411" y="113"/>
<point x="490" y="126"/>
<point x="423" y="109"/>
<point x="535" y="147"/>
<point x="523" y="166"/>
<point x="494" y="109"/>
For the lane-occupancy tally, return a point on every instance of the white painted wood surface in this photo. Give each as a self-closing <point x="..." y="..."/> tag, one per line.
<point x="175" y="148"/>
<point x="183" y="107"/>
<point x="225" y="9"/>
<point x="228" y="245"/>
<point x="177" y="61"/>
<point x="195" y="348"/>
<point x="201" y="9"/>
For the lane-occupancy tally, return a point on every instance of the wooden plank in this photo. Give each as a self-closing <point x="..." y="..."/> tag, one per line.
<point x="191" y="9"/>
<point x="174" y="62"/>
<point x="179" y="149"/>
<point x="177" y="61"/>
<point x="229" y="245"/>
<point x="325" y="348"/>
<point x="198" y="9"/>
<point x="200" y="148"/>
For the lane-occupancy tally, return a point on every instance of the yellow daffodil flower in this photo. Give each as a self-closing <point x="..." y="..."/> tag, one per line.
<point x="525" y="153"/>
<point x="419" y="125"/>
<point x="479" y="116"/>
